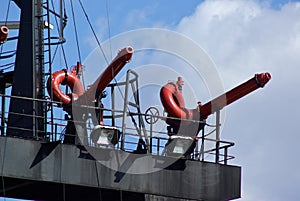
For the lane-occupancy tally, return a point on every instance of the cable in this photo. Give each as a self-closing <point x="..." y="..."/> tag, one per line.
<point x="62" y="47"/>
<point x="77" y="44"/>
<point x="78" y="48"/>
<point x="75" y="29"/>
<point x="98" y="42"/>
<point x="98" y="182"/>
<point x="94" y="33"/>
<point x="108" y="26"/>
<point x="7" y="12"/>
<point x="54" y="54"/>
<point x="2" y="169"/>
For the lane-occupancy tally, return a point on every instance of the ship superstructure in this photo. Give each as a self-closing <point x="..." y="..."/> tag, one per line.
<point x="80" y="156"/>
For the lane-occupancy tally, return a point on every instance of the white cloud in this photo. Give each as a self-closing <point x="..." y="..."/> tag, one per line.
<point x="243" y="38"/>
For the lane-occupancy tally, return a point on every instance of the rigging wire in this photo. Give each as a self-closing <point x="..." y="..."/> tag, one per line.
<point x="109" y="39"/>
<point x="108" y="26"/>
<point x="77" y="42"/>
<point x="2" y="170"/>
<point x="97" y="40"/>
<point x="76" y="33"/>
<point x="54" y="54"/>
<point x="62" y="51"/>
<point x="94" y="33"/>
<point x="98" y="182"/>
<point x="62" y="46"/>
<point x="7" y="12"/>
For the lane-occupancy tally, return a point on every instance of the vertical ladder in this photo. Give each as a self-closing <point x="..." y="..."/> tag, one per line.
<point x="48" y="43"/>
<point x="39" y="70"/>
<point x="140" y="126"/>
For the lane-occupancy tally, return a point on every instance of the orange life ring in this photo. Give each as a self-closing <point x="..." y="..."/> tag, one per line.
<point x="65" y="77"/>
<point x="173" y="102"/>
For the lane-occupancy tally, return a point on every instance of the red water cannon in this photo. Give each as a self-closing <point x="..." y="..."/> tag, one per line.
<point x="123" y="57"/>
<point x="3" y="34"/>
<point x="173" y="102"/>
<point x="71" y="79"/>
<point x="258" y="81"/>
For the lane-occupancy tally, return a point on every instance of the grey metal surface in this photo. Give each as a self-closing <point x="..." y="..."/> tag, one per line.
<point x="187" y="179"/>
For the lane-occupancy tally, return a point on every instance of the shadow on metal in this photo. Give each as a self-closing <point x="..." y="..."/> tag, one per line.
<point x="126" y="165"/>
<point x="84" y="154"/>
<point x="44" y="151"/>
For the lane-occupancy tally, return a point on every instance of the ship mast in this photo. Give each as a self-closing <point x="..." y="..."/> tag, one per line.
<point x="29" y="71"/>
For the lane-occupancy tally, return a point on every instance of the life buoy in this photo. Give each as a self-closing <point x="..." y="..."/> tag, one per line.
<point x="173" y="102"/>
<point x="65" y="77"/>
<point x="70" y="79"/>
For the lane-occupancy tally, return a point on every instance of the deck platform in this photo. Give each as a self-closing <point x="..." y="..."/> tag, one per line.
<point x="68" y="173"/>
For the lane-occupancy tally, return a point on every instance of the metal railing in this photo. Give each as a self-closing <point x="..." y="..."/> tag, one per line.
<point x="217" y="148"/>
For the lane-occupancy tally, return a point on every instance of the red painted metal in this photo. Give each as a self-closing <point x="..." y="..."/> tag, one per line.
<point x="3" y="33"/>
<point x="65" y="77"/>
<point x="123" y="57"/>
<point x="173" y="101"/>
<point x="259" y="80"/>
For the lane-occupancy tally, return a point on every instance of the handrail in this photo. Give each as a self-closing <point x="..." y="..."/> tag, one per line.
<point x="160" y="138"/>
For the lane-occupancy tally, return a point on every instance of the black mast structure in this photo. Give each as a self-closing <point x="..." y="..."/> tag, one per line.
<point x="28" y="74"/>
<point x="27" y="111"/>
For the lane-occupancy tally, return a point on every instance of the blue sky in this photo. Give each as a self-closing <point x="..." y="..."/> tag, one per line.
<point x="242" y="38"/>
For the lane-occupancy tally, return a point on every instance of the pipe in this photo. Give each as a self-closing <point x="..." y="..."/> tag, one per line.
<point x="172" y="99"/>
<point x="258" y="81"/>
<point x="94" y="91"/>
<point x="3" y="34"/>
